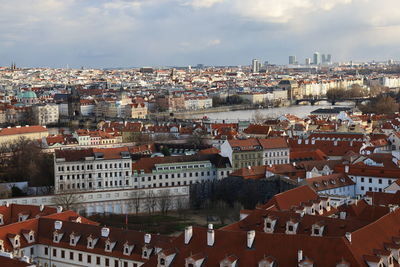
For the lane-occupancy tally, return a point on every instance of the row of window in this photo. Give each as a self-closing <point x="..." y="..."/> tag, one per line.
<point x="276" y="154"/>
<point x="181" y="167"/>
<point x="90" y="166"/>
<point x="77" y="256"/>
<point x="90" y="185"/>
<point x="379" y="181"/>
<point x="89" y="175"/>
<point x="277" y="161"/>
<point x="179" y="175"/>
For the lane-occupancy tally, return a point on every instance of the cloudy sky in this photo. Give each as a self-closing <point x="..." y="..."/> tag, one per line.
<point x="122" y="33"/>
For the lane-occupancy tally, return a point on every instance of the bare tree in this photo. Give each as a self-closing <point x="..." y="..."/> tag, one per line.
<point x="164" y="201"/>
<point x="258" y="117"/>
<point x="150" y="202"/>
<point x="182" y="206"/>
<point x="68" y="201"/>
<point x="135" y="201"/>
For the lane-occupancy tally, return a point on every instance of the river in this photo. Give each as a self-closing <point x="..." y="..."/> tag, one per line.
<point x="300" y="111"/>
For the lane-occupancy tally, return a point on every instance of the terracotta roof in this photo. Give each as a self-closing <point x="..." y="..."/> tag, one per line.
<point x="328" y="182"/>
<point x="23" y="130"/>
<point x="253" y="172"/>
<point x="293" y="197"/>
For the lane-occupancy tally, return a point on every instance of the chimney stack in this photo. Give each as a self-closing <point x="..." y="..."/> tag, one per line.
<point x="105" y="231"/>
<point x="210" y="235"/>
<point x="299" y="255"/>
<point x="147" y="238"/>
<point x="250" y="238"/>
<point x="57" y="225"/>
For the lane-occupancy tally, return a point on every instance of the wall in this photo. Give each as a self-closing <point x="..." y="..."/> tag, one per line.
<point x="113" y="201"/>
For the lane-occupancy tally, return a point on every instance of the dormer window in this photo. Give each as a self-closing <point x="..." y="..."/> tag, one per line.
<point x="162" y="262"/>
<point x="317" y="229"/>
<point x="128" y="249"/>
<point x="57" y="237"/>
<point x="269" y="224"/>
<point x="91" y="242"/>
<point x="291" y="227"/>
<point x="109" y="245"/>
<point x="1" y="245"/>
<point x="1" y="219"/>
<point x="146" y="252"/>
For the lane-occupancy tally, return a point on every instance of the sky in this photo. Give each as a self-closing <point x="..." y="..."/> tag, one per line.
<point x="134" y="33"/>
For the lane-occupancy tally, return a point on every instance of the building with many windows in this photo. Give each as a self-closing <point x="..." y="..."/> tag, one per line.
<point x="179" y="170"/>
<point x="45" y="114"/>
<point x="256" y="152"/>
<point x="92" y="169"/>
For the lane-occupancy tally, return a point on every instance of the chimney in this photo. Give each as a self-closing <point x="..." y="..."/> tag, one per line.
<point x="342" y="215"/>
<point x="210" y="237"/>
<point x="348" y="236"/>
<point x="299" y="255"/>
<point x="41" y="207"/>
<point x="59" y="209"/>
<point x="188" y="234"/>
<point x="147" y="238"/>
<point x="7" y="204"/>
<point x="105" y="232"/>
<point x="346" y="169"/>
<point x="57" y="225"/>
<point x="250" y="238"/>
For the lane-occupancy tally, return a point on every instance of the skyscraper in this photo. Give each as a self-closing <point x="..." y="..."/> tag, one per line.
<point x="317" y="58"/>
<point x="308" y="61"/>
<point x="292" y="60"/>
<point x="255" y="66"/>
<point x="324" y="59"/>
<point x="329" y="58"/>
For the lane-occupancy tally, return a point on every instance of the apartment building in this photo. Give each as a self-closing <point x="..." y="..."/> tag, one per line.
<point x="45" y="114"/>
<point x="92" y="169"/>
<point x="256" y="152"/>
<point x="136" y="111"/>
<point x="179" y="170"/>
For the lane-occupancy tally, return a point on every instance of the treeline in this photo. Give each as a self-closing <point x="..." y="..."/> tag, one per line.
<point x="382" y="104"/>
<point x="235" y="191"/>
<point x="355" y="91"/>
<point x="23" y="160"/>
<point x="229" y="100"/>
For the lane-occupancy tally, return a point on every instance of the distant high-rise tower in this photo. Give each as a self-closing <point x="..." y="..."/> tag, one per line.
<point x="308" y="61"/>
<point x="255" y="66"/>
<point x="329" y="58"/>
<point x="324" y="59"/>
<point x="317" y="58"/>
<point x="292" y="60"/>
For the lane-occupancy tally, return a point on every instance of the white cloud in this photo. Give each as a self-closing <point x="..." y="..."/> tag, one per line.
<point x="214" y="42"/>
<point x="203" y="3"/>
<point x="282" y="11"/>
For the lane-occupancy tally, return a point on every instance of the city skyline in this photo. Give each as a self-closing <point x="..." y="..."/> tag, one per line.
<point x="98" y="34"/>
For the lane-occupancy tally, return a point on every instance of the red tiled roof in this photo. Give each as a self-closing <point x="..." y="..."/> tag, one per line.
<point x="23" y="130"/>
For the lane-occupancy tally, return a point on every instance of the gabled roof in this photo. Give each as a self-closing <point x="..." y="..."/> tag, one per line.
<point x="291" y="198"/>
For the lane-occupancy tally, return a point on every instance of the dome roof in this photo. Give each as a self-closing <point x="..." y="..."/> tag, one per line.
<point x="27" y="94"/>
